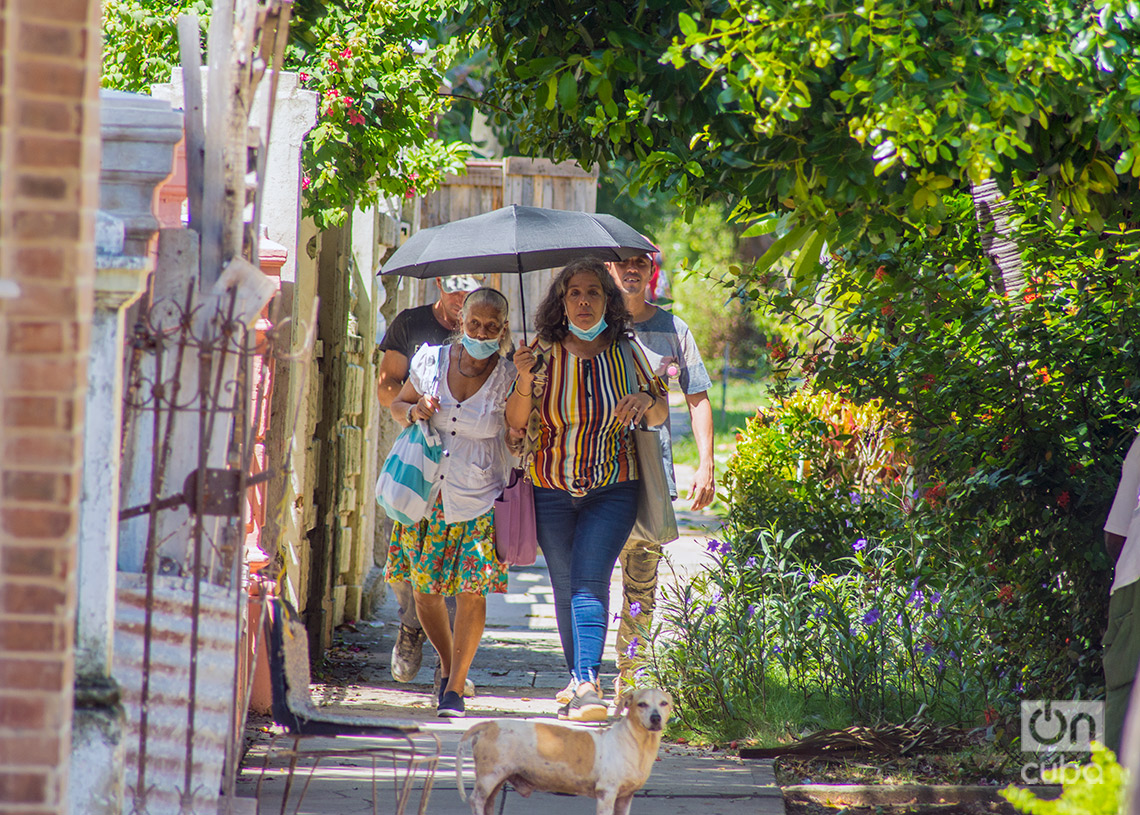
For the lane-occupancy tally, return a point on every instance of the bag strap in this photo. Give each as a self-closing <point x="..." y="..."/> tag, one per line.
<point x="631" y="377"/>
<point x="534" y="421"/>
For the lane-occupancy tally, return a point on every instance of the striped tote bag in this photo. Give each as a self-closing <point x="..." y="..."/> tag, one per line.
<point x="404" y="488"/>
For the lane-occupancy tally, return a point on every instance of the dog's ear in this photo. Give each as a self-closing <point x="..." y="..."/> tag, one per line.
<point x="623" y="702"/>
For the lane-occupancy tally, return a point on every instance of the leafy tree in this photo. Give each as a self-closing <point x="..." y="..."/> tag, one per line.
<point x="377" y="79"/>
<point x="830" y="122"/>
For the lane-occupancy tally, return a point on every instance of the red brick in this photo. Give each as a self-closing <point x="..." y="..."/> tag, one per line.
<point x="38" y="300"/>
<point x="26" y="635"/>
<point x="31" y="411"/>
<point x="31" y="674"/>
<point x="43" y="187"/>
<point x="53" y="10"/>
<point x="31" y="486"/>
<point x="31" y="561"/>
<point x="60" y="116"/>
<point x="33" y="598"/>
<point x="18" y="751"/>
<point x="42" y="451"/>
<point x="50" y="78"/>
<point x="51" y="40"/>
<point x="36" y="338"/>
<point x="37" y="523"/>
<point x="46" y="224"/>
<point x="41" y="262"/>
<point x="42" y="374"/>
<point x="23" y="788"/>
<point x="42" y="151"/>
<point x="25" y="711"/>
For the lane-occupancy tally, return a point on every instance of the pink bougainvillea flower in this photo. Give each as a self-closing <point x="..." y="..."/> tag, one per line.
<point x="334" y="65"/>
<point x="303" y="76"/>
<point x="346" y="53"/>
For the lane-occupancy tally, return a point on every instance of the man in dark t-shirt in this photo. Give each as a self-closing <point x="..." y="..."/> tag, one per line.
<point x="411" y="329"/>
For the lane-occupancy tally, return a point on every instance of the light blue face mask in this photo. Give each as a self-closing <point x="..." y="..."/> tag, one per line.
<point x="479" y="349"/>
<point x="588" y="334"/>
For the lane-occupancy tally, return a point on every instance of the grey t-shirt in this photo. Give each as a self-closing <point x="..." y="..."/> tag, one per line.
<point x="662" y="336"/>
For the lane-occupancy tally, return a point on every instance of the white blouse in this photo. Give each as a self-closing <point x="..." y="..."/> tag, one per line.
<point x="476" y="462"/>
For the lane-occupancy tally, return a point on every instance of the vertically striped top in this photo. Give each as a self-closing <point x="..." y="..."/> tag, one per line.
<point x="580" y="445"/>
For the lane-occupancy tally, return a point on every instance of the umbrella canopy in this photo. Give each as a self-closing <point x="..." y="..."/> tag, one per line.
<point x="515" y="239"/>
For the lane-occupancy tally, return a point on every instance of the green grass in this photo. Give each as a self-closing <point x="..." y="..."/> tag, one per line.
<point x="730" y="409"/>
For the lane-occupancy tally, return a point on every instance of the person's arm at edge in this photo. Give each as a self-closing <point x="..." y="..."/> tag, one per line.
<point x="390" y="378"/>
<point x="1120" y="516"/>
<point x="701" y="419"/>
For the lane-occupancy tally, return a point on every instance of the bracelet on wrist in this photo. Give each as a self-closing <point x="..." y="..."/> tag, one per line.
<point x="520" y="393"/>
<point x="408" y="415"/>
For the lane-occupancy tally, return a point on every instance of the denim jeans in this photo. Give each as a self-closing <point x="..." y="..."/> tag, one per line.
<point x="581" y="539"/>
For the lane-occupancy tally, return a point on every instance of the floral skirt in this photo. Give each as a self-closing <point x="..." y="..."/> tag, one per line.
<point x="440" y="558"/>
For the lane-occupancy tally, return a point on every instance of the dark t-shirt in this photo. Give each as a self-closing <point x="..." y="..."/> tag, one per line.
<point x="412" y="328"/>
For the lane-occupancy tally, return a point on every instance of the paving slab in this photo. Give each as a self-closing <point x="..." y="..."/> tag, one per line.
<point x="516" y="672"/>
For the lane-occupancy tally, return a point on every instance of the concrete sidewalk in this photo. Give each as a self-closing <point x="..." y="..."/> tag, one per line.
<point x="516" y="672"/>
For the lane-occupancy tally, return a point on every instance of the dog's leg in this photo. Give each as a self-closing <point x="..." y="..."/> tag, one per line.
<point x="489" y="804"/>
<point x="607" y="802"/>
<point x="621" y="806"/>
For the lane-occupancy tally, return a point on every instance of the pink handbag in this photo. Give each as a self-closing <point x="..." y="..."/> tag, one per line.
<point x="516" y="542"/>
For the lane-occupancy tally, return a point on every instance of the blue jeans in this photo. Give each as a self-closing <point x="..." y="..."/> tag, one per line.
<point x="581" y="539"/>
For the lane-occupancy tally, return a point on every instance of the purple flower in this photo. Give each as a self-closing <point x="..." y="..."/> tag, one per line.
<point x="725" y="548"/>
<point x="751" y="561"/>
<point x="713" y="545"/>
<point x="631" y="649"/>
<point x="856" y="498"/>
<point x="634" y="608"/>
<point x="751" y="610"/>
<point x="859" y="545"/>
<point x="916" y="598"/>
<point x="710" y="610"/>
<point x="927" y="648"/>
<point x="936" y="598"/>
<point x="872" y="616"/>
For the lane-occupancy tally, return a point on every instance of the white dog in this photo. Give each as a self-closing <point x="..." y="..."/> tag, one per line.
<point x="609" y="764"/>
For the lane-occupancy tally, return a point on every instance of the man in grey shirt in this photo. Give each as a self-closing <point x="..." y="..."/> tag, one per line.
<point x="673" y="353"/>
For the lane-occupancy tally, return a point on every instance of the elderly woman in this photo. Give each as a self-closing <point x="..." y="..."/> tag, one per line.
<point x="460" y="389"/>
<point x="583" y="464"/>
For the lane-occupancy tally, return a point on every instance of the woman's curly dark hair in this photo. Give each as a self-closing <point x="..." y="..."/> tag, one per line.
<point x="550" y="317"/>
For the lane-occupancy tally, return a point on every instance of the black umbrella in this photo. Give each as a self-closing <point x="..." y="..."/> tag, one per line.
<point x="515" y="239"/>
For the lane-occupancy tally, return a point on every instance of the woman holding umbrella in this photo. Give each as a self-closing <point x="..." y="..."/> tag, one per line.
<point x="583" y="463"/>
<point x="460" y="389"/>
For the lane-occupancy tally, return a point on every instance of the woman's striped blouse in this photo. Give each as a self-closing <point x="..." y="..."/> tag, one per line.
<point x="581" y="446"/>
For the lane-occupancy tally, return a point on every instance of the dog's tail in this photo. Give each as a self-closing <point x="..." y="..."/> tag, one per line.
<point x="460" y="752"/>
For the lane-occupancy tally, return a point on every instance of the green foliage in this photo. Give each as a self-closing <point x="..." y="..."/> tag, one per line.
<point x="888" y="628"/>
<point x="376" y="77"/>
<point x="703" y="254"/>
<point x="379" y="100"/>
<point x="826" y="123"/>
<point x="819" y="464"/>
<point x="1097" y="788"/>
<point x="140" y="40"/>
<point x="1023" y="415"/>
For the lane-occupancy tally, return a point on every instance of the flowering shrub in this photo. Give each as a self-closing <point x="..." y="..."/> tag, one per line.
<point x="1018" y="411"/>
<point x="882" y="633"/>
<point x="374" y="69"/>
<point x="814" y="460"/>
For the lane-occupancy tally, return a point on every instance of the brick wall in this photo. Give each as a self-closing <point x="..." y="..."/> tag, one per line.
<point x="49" y="155"/>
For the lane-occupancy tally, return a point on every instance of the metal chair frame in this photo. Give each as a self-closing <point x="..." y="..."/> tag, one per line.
<point x="307" y="724"/>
